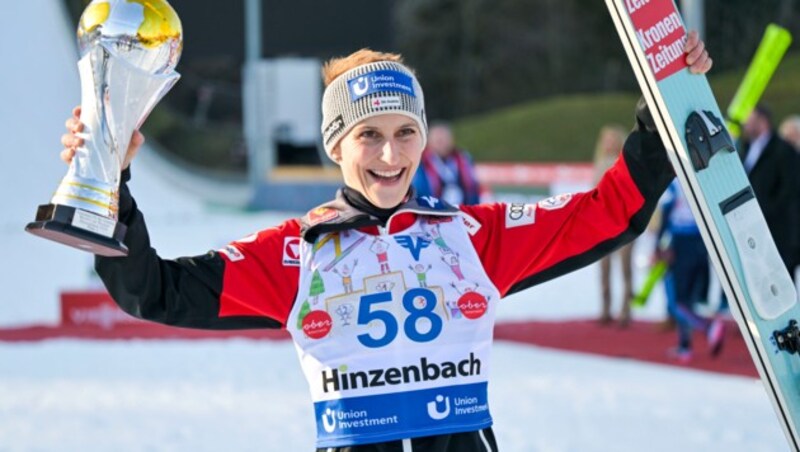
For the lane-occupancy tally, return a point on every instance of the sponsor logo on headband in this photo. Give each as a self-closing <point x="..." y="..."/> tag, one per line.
<point x="333" y="129"/>
<point x="386" y="102"/>
<point x="380" y="81"/>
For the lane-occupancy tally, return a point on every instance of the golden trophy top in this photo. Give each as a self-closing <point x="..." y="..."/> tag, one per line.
<point x="145" y="33"/>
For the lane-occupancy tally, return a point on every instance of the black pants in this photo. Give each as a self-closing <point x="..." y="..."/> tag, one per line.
<point x="476" y="441"/>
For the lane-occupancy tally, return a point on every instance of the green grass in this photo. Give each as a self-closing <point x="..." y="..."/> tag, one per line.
<point x="565" y="128"/>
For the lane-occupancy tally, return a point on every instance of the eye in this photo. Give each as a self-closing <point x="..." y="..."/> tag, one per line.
<point x="406" y="132"/>
<point x="369" y="134"/>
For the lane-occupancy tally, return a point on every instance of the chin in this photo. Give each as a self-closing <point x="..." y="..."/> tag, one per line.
<point x="387" y="201"/>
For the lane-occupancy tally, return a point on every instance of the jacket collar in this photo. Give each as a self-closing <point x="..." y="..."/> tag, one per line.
<point x="339" y="215"/>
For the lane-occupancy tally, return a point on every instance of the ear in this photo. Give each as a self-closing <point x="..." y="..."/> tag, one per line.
<point x="336" y="154"/>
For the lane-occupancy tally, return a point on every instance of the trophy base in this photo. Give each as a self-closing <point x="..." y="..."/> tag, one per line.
<point x="79" y="229"/>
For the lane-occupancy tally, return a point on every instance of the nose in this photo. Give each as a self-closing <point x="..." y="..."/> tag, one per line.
<point x="390" y="153"/>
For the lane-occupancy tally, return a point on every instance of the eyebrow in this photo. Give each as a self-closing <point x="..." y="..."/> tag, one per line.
<point x="363" y="127"/>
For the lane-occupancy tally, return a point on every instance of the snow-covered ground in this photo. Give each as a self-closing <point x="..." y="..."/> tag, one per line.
<point x="248" y="395"/>
<point x="251" y="396"/>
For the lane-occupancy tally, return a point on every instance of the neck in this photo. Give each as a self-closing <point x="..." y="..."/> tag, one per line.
<point x="359" y="201"/>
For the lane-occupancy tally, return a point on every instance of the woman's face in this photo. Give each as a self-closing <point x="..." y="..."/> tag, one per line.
<point x="379" y="157"/>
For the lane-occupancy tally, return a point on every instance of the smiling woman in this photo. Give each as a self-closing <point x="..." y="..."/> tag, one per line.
<point x="374" y="124"/>
<point x="379" y="157"/>
<point x="390" y="298"/>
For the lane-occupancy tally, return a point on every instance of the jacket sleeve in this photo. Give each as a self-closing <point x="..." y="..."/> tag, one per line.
<point x="244" y="285"/>
<point x="521" y="245"/>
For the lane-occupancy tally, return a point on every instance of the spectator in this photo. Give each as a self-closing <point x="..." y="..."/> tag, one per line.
<point x="771" y="166"/>
<point x="790" y="131"/>
<point x="445" y="171"/>
<point x="687" y="278"/>
<point x="606" y="152"/>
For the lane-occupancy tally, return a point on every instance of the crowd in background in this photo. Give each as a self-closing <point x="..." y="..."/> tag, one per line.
<point x="771" y="157"/>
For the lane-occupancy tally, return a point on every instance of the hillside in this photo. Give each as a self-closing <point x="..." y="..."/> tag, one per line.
<point x="564" y="128"/>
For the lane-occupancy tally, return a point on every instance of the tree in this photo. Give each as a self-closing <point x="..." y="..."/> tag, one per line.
<point x="477" y="55"/>
<point x="317" y="286"/>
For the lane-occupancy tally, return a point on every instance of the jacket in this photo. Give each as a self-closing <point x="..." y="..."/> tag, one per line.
<point x="338" y="268"/>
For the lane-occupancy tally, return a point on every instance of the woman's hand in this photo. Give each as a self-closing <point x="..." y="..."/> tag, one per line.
<point x="696" y="55"/>
<point x="71" y="141"/>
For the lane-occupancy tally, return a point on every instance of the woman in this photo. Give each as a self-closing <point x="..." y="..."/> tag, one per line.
<point x="446" y="171"/>
<point x="391" y="365"/>
<point x="606" y="152"/>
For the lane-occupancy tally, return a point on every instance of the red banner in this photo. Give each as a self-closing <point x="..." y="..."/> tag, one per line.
<point x="661" y="34"/>
<point x="534" y="174"/>
<point x="93" y="310"/>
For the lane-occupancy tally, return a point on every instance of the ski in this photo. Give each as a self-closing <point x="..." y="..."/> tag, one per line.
<point x="761" y="292"/>
<point x="656" y="273"/>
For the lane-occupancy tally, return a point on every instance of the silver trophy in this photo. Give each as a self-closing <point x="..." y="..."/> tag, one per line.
<point x="129" y="50"/>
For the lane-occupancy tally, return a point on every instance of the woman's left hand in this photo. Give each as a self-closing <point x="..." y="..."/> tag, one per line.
<point x="696" y="55"/>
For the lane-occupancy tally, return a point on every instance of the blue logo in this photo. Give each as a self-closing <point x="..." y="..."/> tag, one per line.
<point x="380" y="81"/>
<point x="407" y="241"/>
<point x="432" y="202"/>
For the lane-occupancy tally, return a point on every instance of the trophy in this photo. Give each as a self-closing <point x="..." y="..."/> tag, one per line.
<point x="129" y="49"/>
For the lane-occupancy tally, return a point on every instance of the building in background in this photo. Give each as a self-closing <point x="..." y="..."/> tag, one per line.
<point x="201" y="119"/>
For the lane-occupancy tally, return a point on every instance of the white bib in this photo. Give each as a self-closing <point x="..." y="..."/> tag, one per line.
<point x="394" y="332"/>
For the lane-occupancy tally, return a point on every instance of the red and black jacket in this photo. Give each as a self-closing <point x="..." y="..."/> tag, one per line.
<point x="207" y="291"/>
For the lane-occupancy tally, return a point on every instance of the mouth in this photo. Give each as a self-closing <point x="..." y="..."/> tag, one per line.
<point x="386" y="176"/>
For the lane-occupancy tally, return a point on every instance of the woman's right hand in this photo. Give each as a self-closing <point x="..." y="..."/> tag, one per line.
<point x="71" y="141"/>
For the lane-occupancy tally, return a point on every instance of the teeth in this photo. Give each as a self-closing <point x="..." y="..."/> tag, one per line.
<point x="387" y="173"/>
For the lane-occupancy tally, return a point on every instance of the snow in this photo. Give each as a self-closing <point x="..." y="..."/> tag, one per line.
<point x="250" y="395"/>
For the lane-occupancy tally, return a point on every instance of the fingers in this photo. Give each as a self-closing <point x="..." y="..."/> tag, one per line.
<point x="696" y="54"/>
<point x="137" y="140"/>
<point x="67" y="155"/>
<point x="703" y="65"/>
<point x="700" y="64"/>
<point x="71" y="141"/>
<point x="74" y="125"/>
<point x="691" y="41"/>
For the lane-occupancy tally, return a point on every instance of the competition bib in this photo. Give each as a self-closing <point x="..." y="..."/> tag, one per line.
<point x="394" y="333"/>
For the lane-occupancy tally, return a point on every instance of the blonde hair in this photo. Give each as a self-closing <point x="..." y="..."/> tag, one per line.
<point x="607" y="148"/>
<point x="335" y="67"/>
<point x="790" y="130"/>
<point x="617" y="134"/>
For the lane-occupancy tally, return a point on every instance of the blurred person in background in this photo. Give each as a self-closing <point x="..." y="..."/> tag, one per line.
<point x="606" y="152"/>
<point x="388" y="362"/>
<point x="687" y="279"/>
<point x="789" y="130"/>
<point x="771" y="165"/>
<point x="446" y="172"/>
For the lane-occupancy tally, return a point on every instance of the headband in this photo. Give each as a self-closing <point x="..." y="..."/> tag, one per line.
<point x="370" y="90"/>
